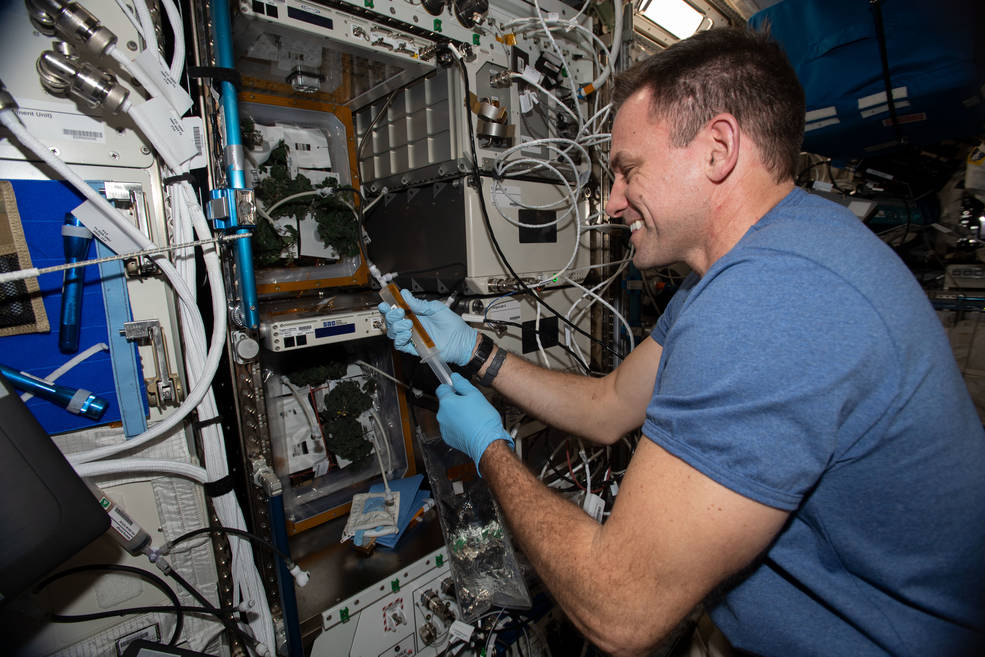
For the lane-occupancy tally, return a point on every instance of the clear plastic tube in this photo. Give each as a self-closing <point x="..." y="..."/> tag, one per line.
<point x="422" y="342"/>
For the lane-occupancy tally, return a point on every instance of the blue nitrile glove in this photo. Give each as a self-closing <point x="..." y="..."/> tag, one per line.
<point x="454" y="338"/>
<point x="469" y="423"/>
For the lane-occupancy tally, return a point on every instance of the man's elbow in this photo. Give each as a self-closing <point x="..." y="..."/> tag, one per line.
<point x="625" y="637"/>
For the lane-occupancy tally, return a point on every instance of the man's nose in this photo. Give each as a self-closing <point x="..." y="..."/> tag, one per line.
<point x="616" y="203"/>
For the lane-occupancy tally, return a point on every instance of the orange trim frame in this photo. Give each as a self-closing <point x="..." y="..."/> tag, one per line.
<point x="344" y="114"/>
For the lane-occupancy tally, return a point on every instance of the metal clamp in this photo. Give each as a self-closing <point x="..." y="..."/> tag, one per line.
<point x="164" y="389"/>
<point x="232" y="209"/>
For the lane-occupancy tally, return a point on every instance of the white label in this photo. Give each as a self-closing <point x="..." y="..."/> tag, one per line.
<point x="105" y="230"/>
<point x="320" y="468"/>
<point x="457" y="487"/>
<point x="552" y="16"/>
<point x="594" y="506"/>
<point x="153" y="65"/>
<point x="883" y="108"/>
<point x="823" y="186"/>
<point x="196" y="127"/>
<point x="530" y="74"/>
<point x="614" y="488"/>
<point x="50" y="122"/>
<point x="507" y="310"/>
<point x="308" y="147"/>
<point x="816" y="125"/>
<point x="168" y="134"/>
<point x="507" y="196"/>
<point x="877" y="98"/>
<point x="527" y="101"/>
<point x="149" y="633"/>
<point x="461" y="631"/>
<point x="823" y="113"/>
<point x="122" y="524"/>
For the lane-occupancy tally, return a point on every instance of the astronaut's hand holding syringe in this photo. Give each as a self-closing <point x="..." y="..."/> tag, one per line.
<point x="427" y="329"/>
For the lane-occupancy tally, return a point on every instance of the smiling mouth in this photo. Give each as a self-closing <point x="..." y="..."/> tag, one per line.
<point x="636" y="225"/>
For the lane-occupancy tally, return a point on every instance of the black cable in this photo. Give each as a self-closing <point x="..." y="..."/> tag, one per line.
<point x="257" y="540"/>
<point x="150" y="577"/>
<point x="230" y="624"/>
<point x="492" y="235"/>
<point x="876" y="7"/>
<point x="79" y="618"/>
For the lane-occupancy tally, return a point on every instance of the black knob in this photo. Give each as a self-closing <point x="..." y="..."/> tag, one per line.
<point x="470" y="12"/>
<point x="433" y="7"/>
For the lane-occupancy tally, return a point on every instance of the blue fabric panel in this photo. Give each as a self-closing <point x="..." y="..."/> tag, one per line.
<point x="933" y="50"/>
<point x="42" y="205"/>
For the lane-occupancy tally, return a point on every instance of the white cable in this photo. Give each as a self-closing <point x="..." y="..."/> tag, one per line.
<point x="51" y="378"/>
<point x="178" y="43"/>
<point x="247" y="584"/>
<point x="386" y="443"/>
<point x="292" y="197"/>
<point x="309" y="413"/>
<point x="579" y="119"/>
<point x="577" y="317"/>
<point x="595" y="43"/>
<point x="363" y="363"/>
<point x="128" y="466"/>
<point x="588" y="471"/>
<point x="147" y="23"/>
<point x="551" y="96"/>
<point x="376" y="200"/>
<point x="34" y="272"/>
<point x="629" y="332"/>
<point x="540" y="346"/>
<point x="379" y="449"/>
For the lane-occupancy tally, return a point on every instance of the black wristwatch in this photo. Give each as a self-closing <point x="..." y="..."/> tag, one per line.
<point x="481" y="355"/>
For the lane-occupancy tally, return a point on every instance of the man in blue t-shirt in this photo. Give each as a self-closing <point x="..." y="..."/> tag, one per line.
<point x="812" y="466"/>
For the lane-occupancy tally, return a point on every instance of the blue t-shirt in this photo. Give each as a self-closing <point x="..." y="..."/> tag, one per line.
<point x="806" y="370"/>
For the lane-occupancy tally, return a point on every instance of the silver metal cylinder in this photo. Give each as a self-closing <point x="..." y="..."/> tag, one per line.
<point x="62" y="76"/>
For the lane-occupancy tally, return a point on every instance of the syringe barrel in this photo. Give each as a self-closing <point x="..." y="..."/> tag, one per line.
<point x="419" y="337"/>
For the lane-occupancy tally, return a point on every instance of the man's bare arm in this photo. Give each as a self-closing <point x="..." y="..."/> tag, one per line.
<point x="601" y="409"/>
<point x="672" y="536"/>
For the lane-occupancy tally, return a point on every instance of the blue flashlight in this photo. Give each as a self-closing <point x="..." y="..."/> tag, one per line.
<point x="75" y="239"/>
<point x="77" y="401"/>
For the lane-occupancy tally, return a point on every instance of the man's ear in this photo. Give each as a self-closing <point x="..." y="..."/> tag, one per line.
<point x="722" y="138"/>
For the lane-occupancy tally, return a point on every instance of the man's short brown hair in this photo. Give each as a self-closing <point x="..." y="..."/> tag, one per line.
<point x="734" y="70"/>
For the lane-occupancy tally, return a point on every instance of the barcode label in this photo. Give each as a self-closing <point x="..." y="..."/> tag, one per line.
<point x="197" y="135"/>
<point x="85" y="135"/>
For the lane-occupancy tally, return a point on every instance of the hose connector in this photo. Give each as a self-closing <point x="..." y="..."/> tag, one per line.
<point x="301" y="577"/>
<point x="62" y="75"/>
<point x="71" y="21"/>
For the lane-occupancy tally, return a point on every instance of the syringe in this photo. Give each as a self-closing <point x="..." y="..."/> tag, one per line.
<point x="419" y="337"/>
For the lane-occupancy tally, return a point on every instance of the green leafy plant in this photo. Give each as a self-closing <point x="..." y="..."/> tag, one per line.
<point x="337" y="224"/>
<point x="340" y="419"/>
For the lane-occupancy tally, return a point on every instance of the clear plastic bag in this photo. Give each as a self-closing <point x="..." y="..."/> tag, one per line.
<point x="481" y="557"/>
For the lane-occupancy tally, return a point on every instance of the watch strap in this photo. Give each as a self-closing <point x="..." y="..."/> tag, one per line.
<point x="482" y="353"/>
<point x="493" y="369"/>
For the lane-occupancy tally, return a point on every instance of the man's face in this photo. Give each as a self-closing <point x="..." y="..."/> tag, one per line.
<point x="657" y="189"/>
